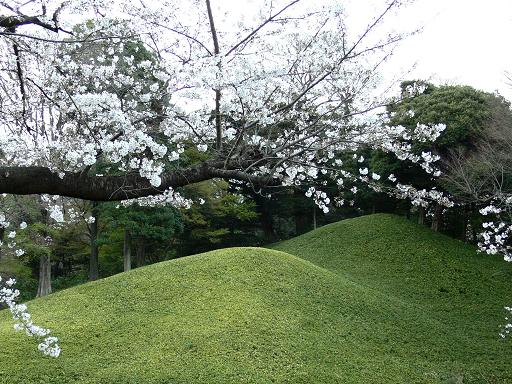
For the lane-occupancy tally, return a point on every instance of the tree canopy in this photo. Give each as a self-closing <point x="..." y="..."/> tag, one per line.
<point x="133" y="92"/>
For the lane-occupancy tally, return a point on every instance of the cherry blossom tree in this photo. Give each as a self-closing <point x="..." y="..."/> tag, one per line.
<point x="267" y="104"/>
<point x="228" y="90"/>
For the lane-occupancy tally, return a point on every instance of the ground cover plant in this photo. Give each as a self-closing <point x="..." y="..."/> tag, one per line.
<point x="375" y="299"/>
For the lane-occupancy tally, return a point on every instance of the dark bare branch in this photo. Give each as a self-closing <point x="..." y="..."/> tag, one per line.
<point x="218" y="96"/>
<point x="10" y="22"/>
<point x="260" y="27"/>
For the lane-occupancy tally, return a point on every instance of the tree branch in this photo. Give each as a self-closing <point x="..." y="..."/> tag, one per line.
<point x="218" y="122"/>
<point x="10" y="22"/>
<point x="259" y="27"/>
<point x="41" y="180"/>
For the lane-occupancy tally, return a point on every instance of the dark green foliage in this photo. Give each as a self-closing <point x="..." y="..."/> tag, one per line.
<point x="111" y="250"/>
<point x="70" y="249"/>
<point x="153" y="228"/>
<point x="467" y="114"/>
<point x="68" y="281"/>
<point x="463" y="109"/>
<point x="223" y="220"/>
<point x="378" y="300"/>
<point x="67" y="248"/>
<point x="36" y="240"/>
<point x="14" y="268"/>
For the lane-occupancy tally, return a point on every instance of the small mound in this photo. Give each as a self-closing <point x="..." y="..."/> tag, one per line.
<point x="241" y="315"/>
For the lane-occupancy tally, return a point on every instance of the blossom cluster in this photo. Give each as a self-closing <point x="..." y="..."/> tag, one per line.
<point x="497" y="229"/>
<point x="507" y="328"/>
<point x="168" y="197"/>
<point x="48" y="345"/>
<point x="11" y="235"/>
<point x="422" y="197"/>
<point x="320" y="198"/>
<point x="495" y="238"/>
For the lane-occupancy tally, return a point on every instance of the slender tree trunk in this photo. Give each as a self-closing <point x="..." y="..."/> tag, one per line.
<point x="301" y="223"/>
<point x="140" y="253"/>
<point x="93" y="260"/>
<point x="465" y="224"/>
<point x="264" y="208"/>
<point x="421" y="215"/>
<point x="438" y="218"/>
<point x="127" y="251"/>
<point x="314" y="216"/>
<point x="45" y="267"/>
<point x="2" y="231"/>
<point x="267" y="226"/>
<point x="45" y="273"/>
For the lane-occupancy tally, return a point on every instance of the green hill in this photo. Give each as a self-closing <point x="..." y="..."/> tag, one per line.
<point x="354" y="309"/>
<point x="446" y="278"/>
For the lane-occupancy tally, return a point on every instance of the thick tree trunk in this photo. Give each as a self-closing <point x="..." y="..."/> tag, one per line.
<point x="45" y="274"/>
<point x="93" y="260"/>
<point x="127" y="251"/>
<point x="437" y="220"/>
<point x="140" y="253"/>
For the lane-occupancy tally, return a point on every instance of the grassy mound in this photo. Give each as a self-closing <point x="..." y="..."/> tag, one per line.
<point x="445" y="278"/>
<point x="250" y="315"/>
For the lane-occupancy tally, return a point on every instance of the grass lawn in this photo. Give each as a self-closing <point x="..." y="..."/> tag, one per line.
<point x="368" y="300"/>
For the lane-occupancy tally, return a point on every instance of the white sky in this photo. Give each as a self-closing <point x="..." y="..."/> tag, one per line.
<point x="463" y="42"/>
